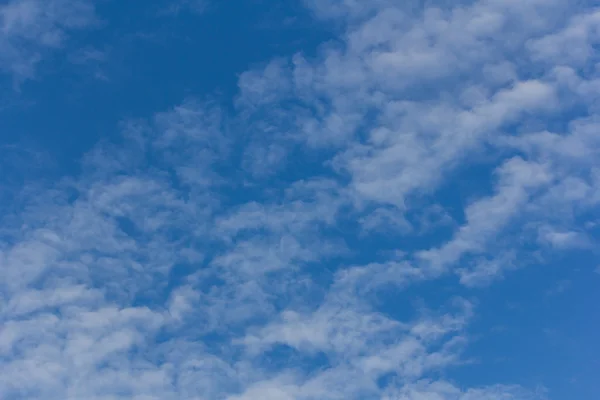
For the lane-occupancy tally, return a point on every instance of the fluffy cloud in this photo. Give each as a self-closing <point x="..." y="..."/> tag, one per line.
<point x="216" y="255"/>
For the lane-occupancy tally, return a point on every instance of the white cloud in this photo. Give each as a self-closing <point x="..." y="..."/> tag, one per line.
<point x="441" y="390"/>
<point x="399" y="142"/>
<point x="175" y="265"/>
<point x="487" y="216"/>
<point x="175" y="7"/>
<point x="562" y="239"/>
<point x="31" y="28"/>
<point x="572" y="45"/>
<point x="483" y="272"/>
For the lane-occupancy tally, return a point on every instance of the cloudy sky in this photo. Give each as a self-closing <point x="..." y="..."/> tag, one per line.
<point x="299" y="200"/>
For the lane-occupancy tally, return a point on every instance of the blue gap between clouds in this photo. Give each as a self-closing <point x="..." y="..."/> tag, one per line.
<point x="154" y="62"/>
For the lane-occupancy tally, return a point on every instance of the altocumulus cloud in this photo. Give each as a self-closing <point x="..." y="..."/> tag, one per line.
<point x="260" y="252"/>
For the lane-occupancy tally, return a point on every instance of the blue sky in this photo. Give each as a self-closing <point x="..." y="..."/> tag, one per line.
<point x="299" y="200"/>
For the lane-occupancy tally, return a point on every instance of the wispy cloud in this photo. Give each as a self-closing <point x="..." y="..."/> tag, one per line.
<point x="31" y="29"/>
<point x="244" y="255"/>
<point x="175" y="7"/>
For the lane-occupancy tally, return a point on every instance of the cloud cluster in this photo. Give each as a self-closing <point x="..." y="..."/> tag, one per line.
<point x="210" y="255"/>
<point x="31" y="29"/>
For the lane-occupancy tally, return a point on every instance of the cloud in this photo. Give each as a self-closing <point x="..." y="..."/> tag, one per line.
<point x="87" y="311"/>
<point x="572" y="45"/>
<point x="175" y="7"/>
<point x="487" y="216"/>
<point x="445" y="390"/>
<point x="210" y="254"/>
<point x="481" y="272"/>
<point x="30" y="29"/>
<point x="400" y="142"/>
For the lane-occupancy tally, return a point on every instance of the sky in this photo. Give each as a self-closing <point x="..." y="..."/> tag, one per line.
<point x="299" y="200"/>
